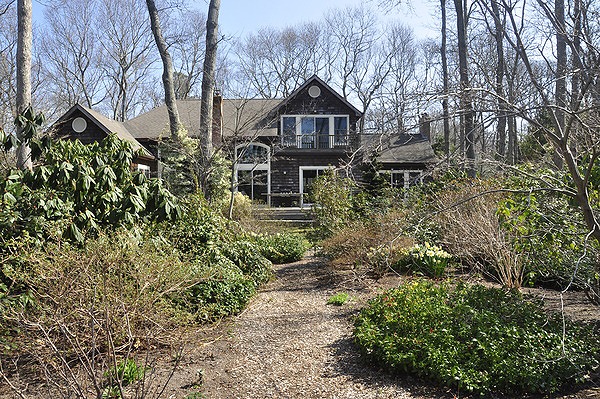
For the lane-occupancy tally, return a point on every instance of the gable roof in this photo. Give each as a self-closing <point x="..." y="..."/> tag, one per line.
<point x="107" y="125"/>
<point x="312" y="79"/>
<point x="249" y="117"/>
<point x="240" y="117"/>
<point x="403" y="148"/>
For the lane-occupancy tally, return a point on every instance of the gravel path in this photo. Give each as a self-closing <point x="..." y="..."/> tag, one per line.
<point x="289" y="344"/>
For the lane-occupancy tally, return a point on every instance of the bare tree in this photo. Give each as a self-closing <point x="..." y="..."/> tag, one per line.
<point x="71" y="55"/>
<point x="208" y="85"/>
<point x="445" y="80"/>
<point x="24" y="44"/>
<point x="167" y="76"/>
<point x="276" y="61"/>
<point x="466" y="105"/>
<point x="353" y="32"/>
<point x="126" y="43"/>
<point x="580" y="120"/>
<point x="187" y="44"/>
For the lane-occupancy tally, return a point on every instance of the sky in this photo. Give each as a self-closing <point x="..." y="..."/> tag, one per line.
<point x="240" y="17"/>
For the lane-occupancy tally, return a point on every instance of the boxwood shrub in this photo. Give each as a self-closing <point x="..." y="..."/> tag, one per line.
<point x="247" y="256"/>
<point x="282" y="247"/>
<point x="476" y="339"/>
<point x="225" y="290"/>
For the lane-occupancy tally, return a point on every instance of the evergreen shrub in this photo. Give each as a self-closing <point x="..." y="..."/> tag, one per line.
<point x="476" y="339"/>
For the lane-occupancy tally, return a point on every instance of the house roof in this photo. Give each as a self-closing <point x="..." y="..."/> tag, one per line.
<point x="317" y="79"/>
<point x="249" y="118"/>
<point x="245" y="117"/>
<point x="404" y="148"/>
<point x="106" y="124"/>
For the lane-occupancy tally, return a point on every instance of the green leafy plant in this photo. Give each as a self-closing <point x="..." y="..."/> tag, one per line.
<point x="477" y="339"/>
<point x="125" y="373"/>
<point x="281" y="247"/>
<point x="332" y="196"/>
<point x="79" y="189"/>
<point x="338" y="299"/>
<point x="428" y="259"/>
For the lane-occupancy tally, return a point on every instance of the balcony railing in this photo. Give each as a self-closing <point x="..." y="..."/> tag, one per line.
<point x="321" y="141"/>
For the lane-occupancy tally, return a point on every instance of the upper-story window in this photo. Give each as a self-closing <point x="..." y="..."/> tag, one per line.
<point x="314" y="131"/>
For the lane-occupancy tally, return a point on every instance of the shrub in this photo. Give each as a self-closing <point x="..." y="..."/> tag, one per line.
<point x="248" y="257"/>
<point x="366" y="243"/>
<point x="332" y="196"/>
<point x="78" y="190"/>
<point x="282" y="247"/>
<point x="199" y="228"/>
<point x="223" y="288"/>
<point x="475" y="338"/>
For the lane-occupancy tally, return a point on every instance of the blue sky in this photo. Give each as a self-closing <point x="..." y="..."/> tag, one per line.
<point x="239" y="17"/>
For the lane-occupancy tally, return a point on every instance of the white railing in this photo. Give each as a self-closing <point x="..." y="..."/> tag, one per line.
<point x="320" y="141"/>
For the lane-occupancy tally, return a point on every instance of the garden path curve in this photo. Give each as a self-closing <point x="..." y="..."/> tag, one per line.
<point x="289" y="344"/>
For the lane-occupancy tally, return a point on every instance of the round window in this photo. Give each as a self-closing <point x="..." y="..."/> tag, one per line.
<point x="314" y="91"/>
<point x="79" y="124"/>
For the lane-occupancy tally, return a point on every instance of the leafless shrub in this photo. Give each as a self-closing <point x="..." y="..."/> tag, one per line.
<point x="96" y="309"/>
<point x="471" y="231"/>
<point x="350" y="247"/>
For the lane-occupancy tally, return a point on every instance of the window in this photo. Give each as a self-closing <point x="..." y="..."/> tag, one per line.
<point x="314" y="131"/>
<point x="340" y="132"/>
<point x="404" y="178"/>
<point x="308" y="174"/>
<point x="145" y="169"/>
<point x="252" y="171"/>
<point x="254" y="184"/>
<point x="252" y="154"/>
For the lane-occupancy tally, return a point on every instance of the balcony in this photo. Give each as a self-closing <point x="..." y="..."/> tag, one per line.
<point x="318" y="141"/>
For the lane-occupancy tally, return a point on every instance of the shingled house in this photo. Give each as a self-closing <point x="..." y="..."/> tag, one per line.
<point x="279" y="145"/>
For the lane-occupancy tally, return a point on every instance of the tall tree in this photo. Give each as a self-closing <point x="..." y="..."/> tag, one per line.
<point x="445" y="81"/>
<point x="24" y="44"/>
<point x="208" y="86"/>
<point x="466" y="104"/>
<point x="353" y="32"/>
<point x="127" y="57"/>
<point x="167" y="76"/>
<point x="70" y="47"/>
<point x="561" y="71"/>
<point x="499" y="87"/>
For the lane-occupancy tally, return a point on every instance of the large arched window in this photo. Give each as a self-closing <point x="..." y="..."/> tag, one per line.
<point x="253" y="171"/>
<point x="253" y="153"/>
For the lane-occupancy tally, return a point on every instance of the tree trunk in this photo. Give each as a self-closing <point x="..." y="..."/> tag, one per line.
<point x="466" y="104"/>
<point x="24" y="43"/>
<point x="446" y="113"/>
<point x="167" y="76"/>
<point x="502" y="107"/>
<point x="560" y="75"/>
<point x="208" y="86"/>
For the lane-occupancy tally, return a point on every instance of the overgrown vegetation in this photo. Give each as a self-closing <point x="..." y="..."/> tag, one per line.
<point x="98" y="262"/>
<point x="509" y="228"/>
<point x="476" y="339"/>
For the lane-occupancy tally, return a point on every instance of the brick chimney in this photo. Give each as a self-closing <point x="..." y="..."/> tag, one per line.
<point x="425" y="126"/>
<point x="217" y="118"/>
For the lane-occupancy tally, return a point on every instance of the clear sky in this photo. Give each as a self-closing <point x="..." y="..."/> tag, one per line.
<point x="240" y="17"/>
